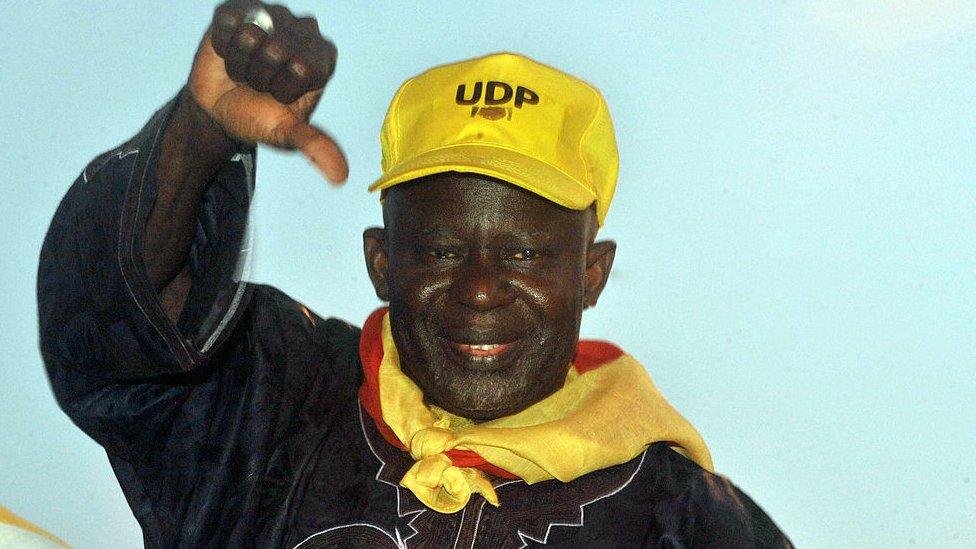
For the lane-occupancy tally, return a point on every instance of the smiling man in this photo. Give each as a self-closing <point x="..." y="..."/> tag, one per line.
<point x="490" y="284"/>
<point x="466" y="413"/>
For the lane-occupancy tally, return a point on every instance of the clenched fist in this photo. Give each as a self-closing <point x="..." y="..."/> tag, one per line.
<point x="261" y="87"/>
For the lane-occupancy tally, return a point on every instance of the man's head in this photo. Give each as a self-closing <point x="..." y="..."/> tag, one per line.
<point x="497" y="173"/>
<point x="486" y="283"/>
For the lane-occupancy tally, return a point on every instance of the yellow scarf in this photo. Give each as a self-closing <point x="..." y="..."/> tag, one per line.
<point x="606" y="413"/>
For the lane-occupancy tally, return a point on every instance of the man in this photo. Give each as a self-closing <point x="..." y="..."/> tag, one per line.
<point x="465" y="414"/>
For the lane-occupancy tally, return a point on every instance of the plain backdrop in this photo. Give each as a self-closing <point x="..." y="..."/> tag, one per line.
<point x="795" y="220"/>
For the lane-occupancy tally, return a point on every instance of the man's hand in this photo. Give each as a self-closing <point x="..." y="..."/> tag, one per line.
<point x="245" y="85"/>
<point x="262" y="88"/>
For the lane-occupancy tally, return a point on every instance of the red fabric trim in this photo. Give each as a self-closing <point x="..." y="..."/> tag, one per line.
<point x="467" y="458"/>
<point x="371" y="354"/>
<point x="591" y="354"/>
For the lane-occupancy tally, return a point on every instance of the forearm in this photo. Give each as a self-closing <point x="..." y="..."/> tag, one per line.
<point x="233" y="93"/>
<point x="192" y="150"/>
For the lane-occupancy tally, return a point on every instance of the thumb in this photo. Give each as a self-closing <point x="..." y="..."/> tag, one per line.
<point x="321" y="150"/>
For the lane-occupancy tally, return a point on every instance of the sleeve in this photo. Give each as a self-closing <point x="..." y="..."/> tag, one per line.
<point x="97" y="310"/>
<point x="731" y="518"/>
<point x="113" y="356"/>
<point x="693" y="507"/>
<point x="194" y="413"/>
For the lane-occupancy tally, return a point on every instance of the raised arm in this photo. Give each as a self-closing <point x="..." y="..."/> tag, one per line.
<point x="154" y="342"/>
<point x="246" y="86"/>
<point x="141" y="271"/>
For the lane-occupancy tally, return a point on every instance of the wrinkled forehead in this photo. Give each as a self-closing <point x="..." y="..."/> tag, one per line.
<point x="466" y="201"/>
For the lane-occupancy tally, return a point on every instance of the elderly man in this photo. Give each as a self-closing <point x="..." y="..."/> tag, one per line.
<point x="467" y="413"/>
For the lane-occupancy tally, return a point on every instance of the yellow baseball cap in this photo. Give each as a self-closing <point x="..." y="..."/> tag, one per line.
<point x="509" y="117"/>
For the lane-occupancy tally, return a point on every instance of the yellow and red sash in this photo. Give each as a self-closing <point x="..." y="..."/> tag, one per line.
<point x="606" y="413"/>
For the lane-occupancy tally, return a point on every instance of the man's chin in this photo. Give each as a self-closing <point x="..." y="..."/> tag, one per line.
<point x="482" y="388"/>
<point x="483" y="397"/>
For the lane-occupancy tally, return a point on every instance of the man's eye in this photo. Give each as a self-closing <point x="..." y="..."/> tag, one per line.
<point x="525" y="255"/>
<point x="439" y="253"/>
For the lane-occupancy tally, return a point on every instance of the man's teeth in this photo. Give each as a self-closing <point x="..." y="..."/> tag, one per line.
<point x="482" y="350"/>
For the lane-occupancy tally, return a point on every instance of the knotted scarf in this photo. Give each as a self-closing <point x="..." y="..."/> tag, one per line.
<point x="607" y="412"/>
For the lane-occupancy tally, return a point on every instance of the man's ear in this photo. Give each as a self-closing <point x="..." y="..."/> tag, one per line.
<point x="599" y="261"/>
<point x="377" y="260"/>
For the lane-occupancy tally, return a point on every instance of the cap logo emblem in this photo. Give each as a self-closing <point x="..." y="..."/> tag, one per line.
<point x="489" y="99"/>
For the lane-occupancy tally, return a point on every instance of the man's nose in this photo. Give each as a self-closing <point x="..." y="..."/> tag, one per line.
<point x="481" y="284"/>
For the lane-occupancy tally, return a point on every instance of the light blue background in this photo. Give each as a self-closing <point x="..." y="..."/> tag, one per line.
<point x="795" y="219"/>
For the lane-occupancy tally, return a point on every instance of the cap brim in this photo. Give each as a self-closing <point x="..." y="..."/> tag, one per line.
<point x="514" y="167"/>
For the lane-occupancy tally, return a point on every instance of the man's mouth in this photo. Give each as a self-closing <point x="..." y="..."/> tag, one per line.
<point x="481" y="350"/>
<point x="482" y="356"/>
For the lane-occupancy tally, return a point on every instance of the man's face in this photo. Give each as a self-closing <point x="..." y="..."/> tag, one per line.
<point x="486" y="283"/>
